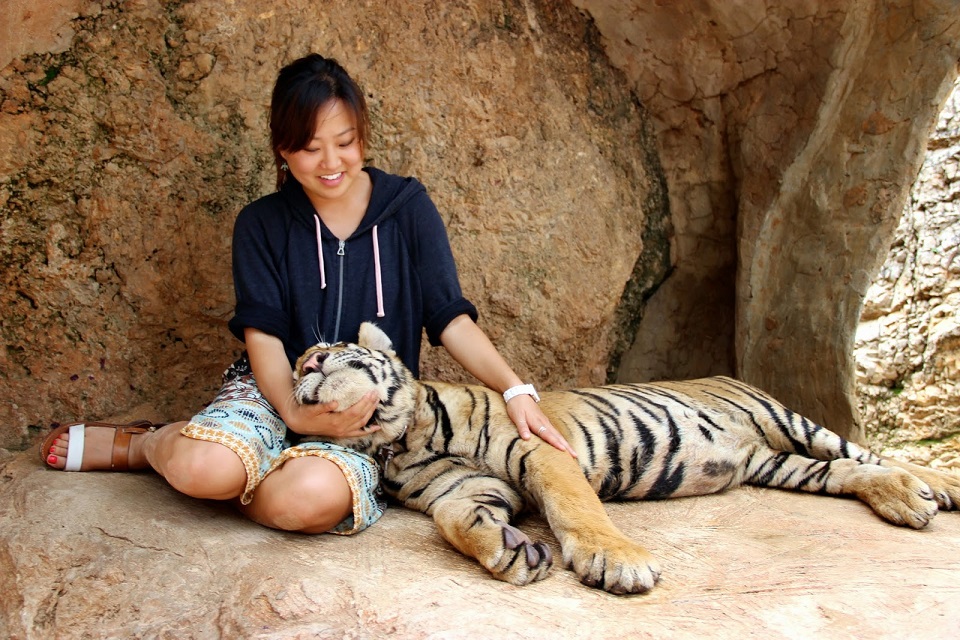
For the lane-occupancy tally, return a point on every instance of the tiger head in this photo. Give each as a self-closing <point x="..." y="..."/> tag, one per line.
<point x="345" y="372"/>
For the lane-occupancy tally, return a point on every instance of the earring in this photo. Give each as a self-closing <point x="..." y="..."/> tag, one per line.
<point x="284" y="167"/>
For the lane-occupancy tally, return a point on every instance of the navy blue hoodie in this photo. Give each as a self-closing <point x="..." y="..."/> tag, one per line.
<point x="277" y="270"/>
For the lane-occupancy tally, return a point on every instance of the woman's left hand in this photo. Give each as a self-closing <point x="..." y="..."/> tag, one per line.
<point x="531" y="421"/>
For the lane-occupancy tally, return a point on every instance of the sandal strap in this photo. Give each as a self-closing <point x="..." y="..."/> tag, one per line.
<point x="120" y="453"/>
<point x="75" y="450"/>
<point x="119" y="458"/>
<point x="123" y="434"/>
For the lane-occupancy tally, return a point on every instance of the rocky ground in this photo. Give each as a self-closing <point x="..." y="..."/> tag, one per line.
<point x="102" y="555"/>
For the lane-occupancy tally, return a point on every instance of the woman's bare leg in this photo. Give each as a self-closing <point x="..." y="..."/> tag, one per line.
<point x="197" y="468"/>
<point x="308" y="494"/>
<point x="201" y="469"/>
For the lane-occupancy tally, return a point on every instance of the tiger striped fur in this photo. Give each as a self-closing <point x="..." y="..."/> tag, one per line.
<point x="458" y="458"/>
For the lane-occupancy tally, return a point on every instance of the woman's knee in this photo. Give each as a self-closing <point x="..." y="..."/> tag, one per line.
<point x="309" y="495"/>
<point x="204" y="469"/>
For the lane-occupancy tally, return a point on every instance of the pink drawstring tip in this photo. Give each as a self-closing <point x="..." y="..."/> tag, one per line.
<point x="376" y="268"/>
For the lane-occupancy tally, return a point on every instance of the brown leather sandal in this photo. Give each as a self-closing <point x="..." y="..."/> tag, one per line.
<point x="121" y="443"/>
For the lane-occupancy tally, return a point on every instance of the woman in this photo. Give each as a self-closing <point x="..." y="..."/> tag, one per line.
<point x="336" y="245"/>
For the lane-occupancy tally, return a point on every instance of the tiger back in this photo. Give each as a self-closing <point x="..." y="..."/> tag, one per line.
<point x="452" y="452"/>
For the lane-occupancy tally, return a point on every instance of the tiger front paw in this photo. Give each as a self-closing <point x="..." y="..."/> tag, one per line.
<point x="520" y="560"/>
<point x="619" y="567"/>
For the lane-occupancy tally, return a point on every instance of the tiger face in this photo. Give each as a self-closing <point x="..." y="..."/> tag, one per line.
<point x="345" y="372"/>
<point x="457" y="457"/>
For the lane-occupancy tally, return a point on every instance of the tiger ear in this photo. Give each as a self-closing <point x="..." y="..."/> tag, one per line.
<point x="372" y="337"/>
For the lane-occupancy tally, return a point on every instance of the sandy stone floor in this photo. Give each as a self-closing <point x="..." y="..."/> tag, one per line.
<point x="102" y="555"/>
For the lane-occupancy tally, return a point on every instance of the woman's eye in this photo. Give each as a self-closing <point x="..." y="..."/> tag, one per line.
<point x="343" y="145"/>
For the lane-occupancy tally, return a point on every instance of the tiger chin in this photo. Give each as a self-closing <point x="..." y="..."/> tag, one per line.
<point x="452" y="452"/>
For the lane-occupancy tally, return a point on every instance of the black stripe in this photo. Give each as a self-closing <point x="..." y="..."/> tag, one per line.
<point x="588" y="439"/>
<point x="441" y="420"/>
<point x="522" y="471"/>
<point x="483" y="437"/>
<point x="506" y="459"/>
<point x="669" y="481"/>
<point x="495" y="500"/>
<point x="706" y="418"/>
<point x="771" y="465"/>
<point x="614" y="477"/>
<point x="452" y="487"/>
<point x="643" y="454"/>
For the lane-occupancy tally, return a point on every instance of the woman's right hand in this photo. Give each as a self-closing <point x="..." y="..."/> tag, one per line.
<point x="325" y="420"/>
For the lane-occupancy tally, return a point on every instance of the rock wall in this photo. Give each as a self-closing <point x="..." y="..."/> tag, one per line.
<point x="133" y="131"/>
<point x="790" y="133"/>
<point x="908" y="342"/>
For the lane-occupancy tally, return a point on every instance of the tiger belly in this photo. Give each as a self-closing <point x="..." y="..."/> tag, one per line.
<point x="634" y="443"/>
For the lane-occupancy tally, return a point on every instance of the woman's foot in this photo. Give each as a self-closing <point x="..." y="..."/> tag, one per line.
<point x="96" y="446"/>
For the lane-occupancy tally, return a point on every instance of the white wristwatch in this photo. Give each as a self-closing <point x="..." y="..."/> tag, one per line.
<point x="520" y="390"/>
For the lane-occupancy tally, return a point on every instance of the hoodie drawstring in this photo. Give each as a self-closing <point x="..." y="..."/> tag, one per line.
<point x="376" y="264"/>
<point x="323" y="276"/>
<point x="376" y="268"/>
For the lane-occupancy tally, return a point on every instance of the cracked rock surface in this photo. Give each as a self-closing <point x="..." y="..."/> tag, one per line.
<point x="908" y="342"/>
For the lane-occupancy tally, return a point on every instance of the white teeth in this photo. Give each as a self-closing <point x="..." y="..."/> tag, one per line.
<point x="332" y="177"/>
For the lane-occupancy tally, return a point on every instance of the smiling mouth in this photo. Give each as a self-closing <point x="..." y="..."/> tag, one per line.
<point x="331" y="177"/>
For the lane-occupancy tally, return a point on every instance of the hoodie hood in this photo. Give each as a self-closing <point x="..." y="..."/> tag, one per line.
<point x="388" y="196"/>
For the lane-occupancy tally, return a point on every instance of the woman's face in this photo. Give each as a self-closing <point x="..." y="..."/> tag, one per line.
<point x="331" y="162"/>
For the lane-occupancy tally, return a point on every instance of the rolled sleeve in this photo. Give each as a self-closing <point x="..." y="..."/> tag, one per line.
<point x="258" y="285"/>
<point x="436" y="324"/>
<point x="443" y="298"/>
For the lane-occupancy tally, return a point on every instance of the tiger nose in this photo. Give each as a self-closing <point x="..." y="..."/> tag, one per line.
<point x="312" y="364"/>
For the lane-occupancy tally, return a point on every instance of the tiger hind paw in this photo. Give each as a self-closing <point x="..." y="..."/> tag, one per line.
<point x="944" y="485"/>
<point x="896" y="495"/>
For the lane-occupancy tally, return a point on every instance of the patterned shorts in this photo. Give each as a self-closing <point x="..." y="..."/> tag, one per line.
<point x="242" y="419"/>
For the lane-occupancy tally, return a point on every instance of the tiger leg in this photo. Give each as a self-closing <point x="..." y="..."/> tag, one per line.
<point x="593" y="547"/>
<point x="895" y="494"/>
<point x="472" y="511"/>
<point x="823" y="444"/>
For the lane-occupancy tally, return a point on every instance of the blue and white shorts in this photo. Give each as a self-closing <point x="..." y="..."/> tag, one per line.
<point x="241" y="419"/>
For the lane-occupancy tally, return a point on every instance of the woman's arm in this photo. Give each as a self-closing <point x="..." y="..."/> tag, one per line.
<point x="471" y="347"/>
<point x="275" y="381"/>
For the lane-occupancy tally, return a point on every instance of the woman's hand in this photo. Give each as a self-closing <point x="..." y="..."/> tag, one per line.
<point x="325" y="420"/>
<point x="471" y="347"/>
<point x="275" y="380"/>
<point x="526" y="414"/>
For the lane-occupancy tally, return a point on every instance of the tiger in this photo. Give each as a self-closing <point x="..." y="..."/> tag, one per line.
<point x="452" y="452"/>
